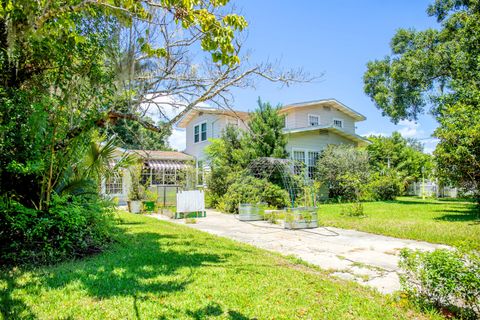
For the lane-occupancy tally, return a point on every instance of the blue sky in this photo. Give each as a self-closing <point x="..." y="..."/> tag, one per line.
<point x="336" y="38"/>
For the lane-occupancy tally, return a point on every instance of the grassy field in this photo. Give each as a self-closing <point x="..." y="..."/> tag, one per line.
<point x="438" y="221"/>
<point x="160" y="270"/>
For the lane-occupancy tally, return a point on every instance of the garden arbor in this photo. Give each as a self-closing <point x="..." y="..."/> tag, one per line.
<point x="291" y="176"/>
<point x="281" y="172"/>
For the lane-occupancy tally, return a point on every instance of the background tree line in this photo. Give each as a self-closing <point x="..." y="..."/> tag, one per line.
<point x="381" y="171"/>
<point x="437" y="70"/>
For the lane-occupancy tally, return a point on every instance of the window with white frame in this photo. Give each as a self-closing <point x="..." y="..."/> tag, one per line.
<point x="200" y="132"/>
<point x="338" y="123"/>
<point x="312" y="162"/>
<point x="114" y="184"/>
<point x="313" y="120"/>
<point x="299" y="157"/>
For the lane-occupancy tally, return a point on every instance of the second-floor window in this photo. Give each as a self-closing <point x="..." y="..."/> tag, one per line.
<point x="200" y="132"/>
<point x="338" y="123"/>
<point x="313" y="120"/>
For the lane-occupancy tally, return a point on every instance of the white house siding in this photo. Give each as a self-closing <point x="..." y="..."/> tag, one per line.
<point x="313" y="141"/>
<point x="290" y="120"/>
<point x="216" y="123"/>
<point x="225" y="120"/>
<point x="298" y="117"/>
<point x="197" y="149"/>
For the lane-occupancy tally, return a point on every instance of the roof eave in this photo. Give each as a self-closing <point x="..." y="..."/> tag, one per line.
<point x="352" y="113"/>
<point x="187" y="118"/>
<point x="351" y="136"/>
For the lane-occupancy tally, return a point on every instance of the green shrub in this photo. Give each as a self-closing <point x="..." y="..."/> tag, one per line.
<point x="444" y="278"/>
<point x="248" y="189"/>
<point x="72" y="227"/>
<point x="344" y="170"/>
<point x="384" y="187"/>
<point x="211" y="200"/>
<point x="274" y="196"/>
<point x="354" y="209"/>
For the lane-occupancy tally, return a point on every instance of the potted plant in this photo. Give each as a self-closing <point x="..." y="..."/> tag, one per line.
<point x="137" y="190"/>
<point x="150" y="202"/>
<point x="301" y="218"/>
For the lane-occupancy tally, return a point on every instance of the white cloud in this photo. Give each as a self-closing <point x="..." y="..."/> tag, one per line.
<point x="163" y="108"/>
<point x="177" y="140"/>
<point x="410" y="129"/>
<point x="429" y="144"/>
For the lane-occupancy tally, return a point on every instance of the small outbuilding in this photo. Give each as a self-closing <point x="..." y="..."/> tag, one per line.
<point x="163" y="172"/>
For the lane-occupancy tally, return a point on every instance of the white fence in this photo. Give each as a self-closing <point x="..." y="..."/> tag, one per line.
<point x="191" y="201"/>
<point x="431" y="189"/>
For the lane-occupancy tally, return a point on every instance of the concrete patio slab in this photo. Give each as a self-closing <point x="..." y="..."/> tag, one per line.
<point x="363" y="257"/>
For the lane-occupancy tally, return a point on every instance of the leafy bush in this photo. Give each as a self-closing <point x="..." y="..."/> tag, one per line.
<point x="248" y="189"/>
<point x="227" y="158"/>
<point x="385" y="187"/>
<point x="344" y="169"/>
<point x="73" y="226"/>
<point x="354" y="209"/>
<point x="274" y="196"/>
<point x="444" y="278"/>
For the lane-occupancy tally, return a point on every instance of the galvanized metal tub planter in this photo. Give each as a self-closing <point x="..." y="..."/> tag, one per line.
<point x="134" y="206"/>
<point x="251" y="212"/>
<point x="301" y="218"/>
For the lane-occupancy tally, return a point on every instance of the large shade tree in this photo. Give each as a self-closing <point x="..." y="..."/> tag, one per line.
<point x="70" y="67"/>
<point x="438" y="69"/>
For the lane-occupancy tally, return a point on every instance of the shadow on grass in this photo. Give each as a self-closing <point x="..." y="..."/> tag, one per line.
<point x="215" y="310"/>
<point x="141" y="264"/>
<point x="415" y="202"/>
<point x="10" y="307"/>
<point x="135" y="269"/>
<point x="464" y="214"/>
<point x="468" y="200"/>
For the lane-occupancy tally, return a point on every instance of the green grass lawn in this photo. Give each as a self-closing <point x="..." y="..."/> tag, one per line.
<point x="438" y="221"/>
<point x="159" y="270"/>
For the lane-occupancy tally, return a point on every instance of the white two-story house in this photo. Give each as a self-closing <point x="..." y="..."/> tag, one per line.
<point x="309" y="126"/>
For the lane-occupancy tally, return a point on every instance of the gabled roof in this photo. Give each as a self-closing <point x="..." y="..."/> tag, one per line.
<point x="351" y="136"/>
<point x="333" y="103"/>
<point x="162" y="155"/>
<point x="190" y="115"/>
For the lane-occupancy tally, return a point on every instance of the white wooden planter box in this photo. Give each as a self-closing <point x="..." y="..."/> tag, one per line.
<point x="300" y="224"/>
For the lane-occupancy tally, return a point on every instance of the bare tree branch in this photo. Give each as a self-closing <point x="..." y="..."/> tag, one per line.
<point x="186" y="74"/>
